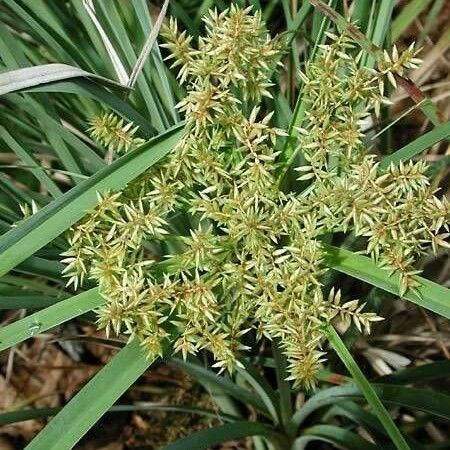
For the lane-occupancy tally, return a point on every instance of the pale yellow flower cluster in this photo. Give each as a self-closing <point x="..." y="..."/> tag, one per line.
<point x="243" y="254"/>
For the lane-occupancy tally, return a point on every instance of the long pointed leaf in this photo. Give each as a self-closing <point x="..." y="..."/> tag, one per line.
<point x="36" y="413"/>
<point x="417" y="146"/>
<point x="86" y="408"/>
<point x="115" y="59"/>
<point x="17" y="80"/>
<point x="83" y="86"/>
<point x="432" y="296"/>
<point x="27" y="301"/>
<point x="284" y="386"/>
<point x="419" y="374"/>
<point x="146" y="49"/>
<point x="333" y="435"/>
<point x="28" y="159"/>
<point x="367" y="389"/>
<point x="424" y="400"/>
<point x="49" y="317"/>
<point x="223" y="384"/>
<point x="262" y="387"/>
<point x="205" y="439"/>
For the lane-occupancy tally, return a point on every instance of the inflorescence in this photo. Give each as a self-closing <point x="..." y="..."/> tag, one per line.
<point x="252" y="258"/>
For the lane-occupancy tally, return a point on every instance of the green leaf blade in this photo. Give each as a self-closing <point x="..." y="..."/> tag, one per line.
<point x="431" y="296"/>
<point x="20" y="79"/>
<point x="86" y="408"/>
<point x="367" y="389"/>
<point x="333" y="435"/>
<point x="418" y="146"/>
<point x="205" y="439"/>
<point x="49" y="317"/>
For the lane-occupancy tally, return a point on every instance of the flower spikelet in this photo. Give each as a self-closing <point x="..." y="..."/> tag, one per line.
<point x="112" y="132"/>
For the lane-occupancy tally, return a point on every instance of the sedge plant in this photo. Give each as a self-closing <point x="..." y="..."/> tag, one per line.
<point x="208" y="249"/>
<point x="254" y="258"/>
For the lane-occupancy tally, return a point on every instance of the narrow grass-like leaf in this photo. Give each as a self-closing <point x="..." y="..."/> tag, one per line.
<point x="27" y="302"/>
<point x="11" y="52"/>
<point x="21" y="284"/>
<point x="224" y="384"/>
<point x="115" y="59"/>
<point x="367" y="26"/>
<point x="425" y="400"/>
<point x="299" y="18"/>
<point x="26" y="414"/>
<point x="18" y="195"/>
<point x="284" y="386"/>
<point x="81" y="86"/>
<point x="205" y="439"/>
<point x="382" y="21"/>
<point x="17" y="80"/>
<point x="156" y="63"/>
<point x="89" y="31"/>
<point x="334" y="435"/>
<point x="358" y="414"/>
<point x="380" y="29"/>
<point x="57" y="135"/>
<point x="28" y="159"/>
<point x="53" y="219"/>
<point x="61" y="48"/>
<point x="146" y="49"/>
<point x="431" y="296"/>
<point x="418" y="146"/>
<point x="366" y="388"/>
<point x="48" y="318"/>
<point x="94" y="399"/>
<point x="21" y="415"/>
<point x="427" y="372"/>
<point x="55" y="132"/>
<point x="362" y="14"/>
<point x="407" y="16"/>
<point x="41" y="267"/>
<point x="262" y="387"/>
<point x="117" y="29"/>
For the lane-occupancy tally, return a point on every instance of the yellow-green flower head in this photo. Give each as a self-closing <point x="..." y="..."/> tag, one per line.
<point x="252" y="257"/>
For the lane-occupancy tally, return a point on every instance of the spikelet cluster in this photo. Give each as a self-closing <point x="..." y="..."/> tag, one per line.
<point x="116" y="136"/>
<point x="252" y="257"/>
<point x="394" y="209"/>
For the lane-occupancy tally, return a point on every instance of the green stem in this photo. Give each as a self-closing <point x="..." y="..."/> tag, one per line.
<point x="366" y="388"/>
